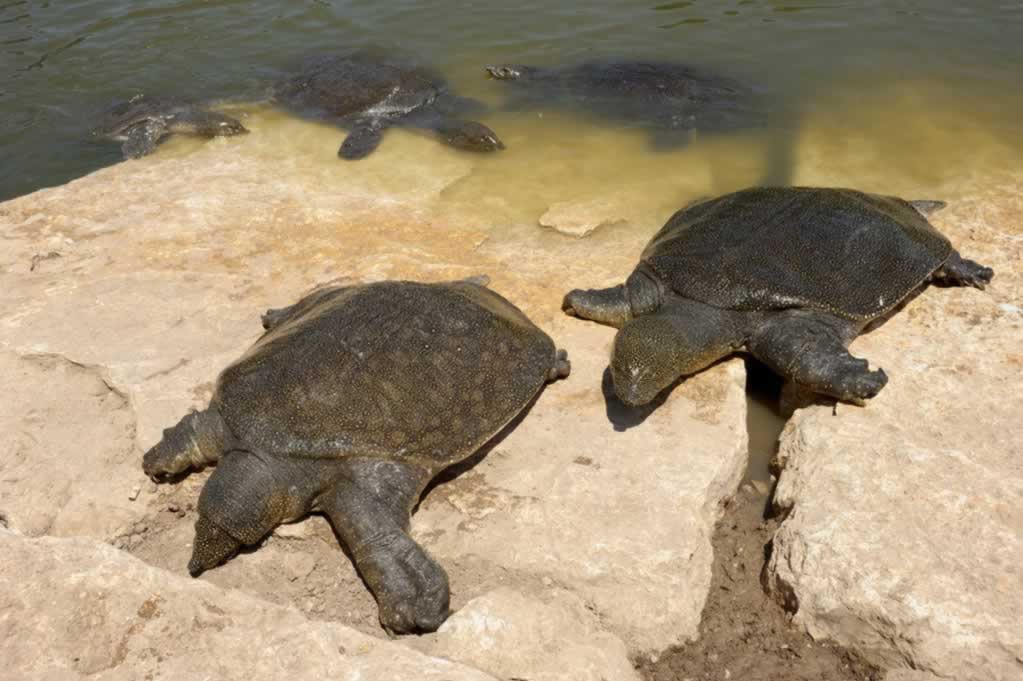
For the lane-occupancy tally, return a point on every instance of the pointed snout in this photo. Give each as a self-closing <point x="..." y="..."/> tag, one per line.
<point x="212" y="546"/>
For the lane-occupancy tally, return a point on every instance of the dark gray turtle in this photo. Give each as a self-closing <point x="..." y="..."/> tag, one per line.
<point x="349" y="404"/>
<point x="141" y="123"/>
<point x="671" y="99"/>
<point x="368" y="93"/>
<point x="790" y="275"/>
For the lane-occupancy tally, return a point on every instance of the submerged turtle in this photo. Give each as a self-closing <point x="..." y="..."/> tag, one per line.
<point x="791" y="275"/>
<point x="368" y="94"/>
<point x="353" y="399"/>
<point x="141" y="123"/>
<point x="673" y="100"/>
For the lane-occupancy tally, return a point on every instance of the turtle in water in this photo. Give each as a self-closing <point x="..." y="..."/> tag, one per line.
<point x="349" y="404"/>
<point x="367" y="94"/>
<point x="791" y="275"/>
<point x="141" y="123"/>
<point x="672" y="100"/>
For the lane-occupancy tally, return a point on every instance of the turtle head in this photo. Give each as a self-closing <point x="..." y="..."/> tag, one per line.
<point x="247" y="496"/>
<point x="212" y="546"/>
<point x="509" y="71"/>
<point x="641" y="360"/>
<point x="469" y="136"/>
<point x="221" y="125"/>
<point x="653" y="351"/>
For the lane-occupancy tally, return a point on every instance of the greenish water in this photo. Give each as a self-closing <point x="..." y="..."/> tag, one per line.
<point x="62" y="61"/>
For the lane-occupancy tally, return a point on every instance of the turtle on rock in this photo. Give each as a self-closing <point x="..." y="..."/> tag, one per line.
<point x="790" y="275"/>
<point x="368" y="93"/>
<point x="349" y="404"/>
<point x="141" y="123"/>
<point x="673" y="101"/>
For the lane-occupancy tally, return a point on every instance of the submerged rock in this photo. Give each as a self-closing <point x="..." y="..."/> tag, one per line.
<point x="580" y="219"/>
<point x="904" y="539"/>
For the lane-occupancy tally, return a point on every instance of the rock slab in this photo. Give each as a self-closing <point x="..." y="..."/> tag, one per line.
<point x="547" y="637"/>
<point x="152" y="292"/>
<point x="904" y="540"/>
<point x="79" y="609"/>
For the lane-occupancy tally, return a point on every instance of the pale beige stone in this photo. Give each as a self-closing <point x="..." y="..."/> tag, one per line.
<point x="905" y="538"/>
<point x="581" y="219"/>
<point x="67" y="449"/>
<point x="549" y="637"/>
<point x="80" y="609"/>
<point x="163" y="268"/>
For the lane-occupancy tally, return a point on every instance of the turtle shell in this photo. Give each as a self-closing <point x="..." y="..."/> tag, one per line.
<point x="360" y="84"/>
<point x="853" y="254"/>
<point x="423" y="373"/>
<point x="656" y="94"/>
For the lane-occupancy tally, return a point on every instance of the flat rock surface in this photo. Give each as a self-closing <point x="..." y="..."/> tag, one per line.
<point x="904" y="540"/>
<point x="80" y="609"/>
<point x="550" y="636"/>
<point x="137" y="289"/>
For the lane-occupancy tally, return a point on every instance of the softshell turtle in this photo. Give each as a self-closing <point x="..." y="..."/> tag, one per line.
<point x="353" y="399"/>
<point x="368" y="93"/>
<point x="790" y="275"/>
<point x="672" y="100"/>
<point x="141" y="123"/>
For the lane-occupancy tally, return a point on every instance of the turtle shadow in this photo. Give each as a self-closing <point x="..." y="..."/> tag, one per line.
<point x="622" y="416"/>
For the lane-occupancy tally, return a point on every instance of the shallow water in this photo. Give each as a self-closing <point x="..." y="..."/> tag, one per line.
<point x="919" y="74"/>
<point x="880" y="95"/>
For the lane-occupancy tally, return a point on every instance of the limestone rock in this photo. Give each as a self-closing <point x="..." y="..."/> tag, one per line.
<point x="50" y="481"/>
<point x="580" y="219"/>
<point x="550" y="638"/>
<point x="79" y="609"/>
<point x="159" y="286"/>
<point x="905" y="538"/>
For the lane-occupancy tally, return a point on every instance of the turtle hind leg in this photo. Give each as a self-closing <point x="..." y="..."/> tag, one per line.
<point x="198" y="439"/>
<point x="142" y="139"/>
<point x="369" y="508"/>
<point x="809" y="348"/>
<point x="362" y="141"/>
<point x="958" y="271"/>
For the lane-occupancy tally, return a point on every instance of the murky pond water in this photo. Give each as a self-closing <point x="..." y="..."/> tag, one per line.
<point x="926" y="81"/>
<point x="920" y="92"/>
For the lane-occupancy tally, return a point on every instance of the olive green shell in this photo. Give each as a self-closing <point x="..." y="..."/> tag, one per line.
<point x="853" y="254"/>
<point x="361" y="84"/>
<point x="422" y="373"/>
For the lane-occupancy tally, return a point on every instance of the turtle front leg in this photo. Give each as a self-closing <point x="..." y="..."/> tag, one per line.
<point x="958" y="271"/>
<point x="370" y="509"/>
<point x="362" y="141"/>
<point x="143" y="138"/>
<point x="810" y="348"/>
